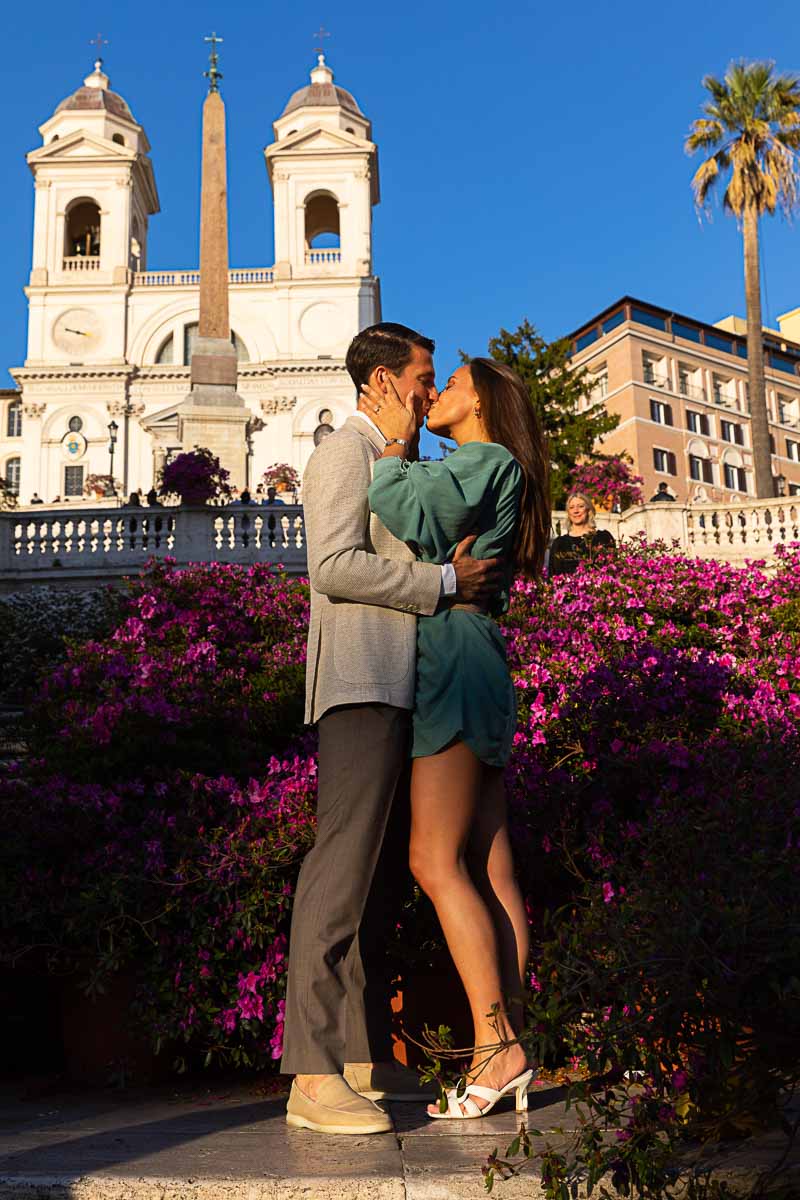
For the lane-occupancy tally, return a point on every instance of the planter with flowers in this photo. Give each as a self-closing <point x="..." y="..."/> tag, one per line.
<point x="196" y="476"/>
<point x="609" y="482"/>
<point x="282" y="477"/>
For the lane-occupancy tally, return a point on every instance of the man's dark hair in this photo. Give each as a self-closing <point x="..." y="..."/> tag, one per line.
<point x="385" y="345"/>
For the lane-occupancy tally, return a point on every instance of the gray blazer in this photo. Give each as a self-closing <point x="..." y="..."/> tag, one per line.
<point x="366" y="586"/>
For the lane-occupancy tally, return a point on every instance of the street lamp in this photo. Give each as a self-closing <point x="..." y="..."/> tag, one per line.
<point x="112" y="441"/>
<point x="780" y="484"/>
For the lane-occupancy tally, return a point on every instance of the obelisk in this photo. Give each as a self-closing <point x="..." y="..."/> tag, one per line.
<point x="213" y="415"/>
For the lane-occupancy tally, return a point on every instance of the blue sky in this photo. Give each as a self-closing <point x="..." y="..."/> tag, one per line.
<point x="531" y="156"/>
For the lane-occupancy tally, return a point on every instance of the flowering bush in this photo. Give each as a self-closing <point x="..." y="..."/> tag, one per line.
<point x="197" y="476"/>
<point x="608" y="481"/>
<point x="652" y="797"/>
<point x="106" y="485"/>
<point x="281" y="475"/>
<point x="37" y="627"/>
<point x="655" y="808"/>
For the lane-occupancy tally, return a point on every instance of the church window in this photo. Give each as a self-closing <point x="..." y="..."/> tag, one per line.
<point x="73" y="481"/>
<point x="241" y="349"/>
<point x="322" y="221"/>
<point x="75" y="425"/>
<point x="83" y="230"/>
<point x="349" y="129"/>
<point x="119" y="139"/>
<point x="14" y="419"/>
<point x="166" y="351"/>
<point x="190" y="335"/>
<point x="12" y="475"/>
<point x="54" y="138"/>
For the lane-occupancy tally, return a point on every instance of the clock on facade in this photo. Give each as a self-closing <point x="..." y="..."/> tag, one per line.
<point x="78" y="331"/>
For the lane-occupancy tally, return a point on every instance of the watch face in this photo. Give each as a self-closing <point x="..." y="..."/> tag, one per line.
<point x="78" y="332"/>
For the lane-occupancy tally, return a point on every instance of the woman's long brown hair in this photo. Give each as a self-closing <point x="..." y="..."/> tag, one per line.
<point x="510" y="419"/>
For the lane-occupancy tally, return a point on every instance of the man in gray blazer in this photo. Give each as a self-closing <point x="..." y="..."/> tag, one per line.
<point x="367" y="590"/>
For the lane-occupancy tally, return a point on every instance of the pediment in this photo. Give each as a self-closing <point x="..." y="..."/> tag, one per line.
<point x="165" y="417"/>
<point x="320" y="138"/>
<point x="80" y="144"/>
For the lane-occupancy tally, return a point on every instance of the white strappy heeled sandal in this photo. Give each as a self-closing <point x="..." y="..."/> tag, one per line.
<point x="463" y="1107"/>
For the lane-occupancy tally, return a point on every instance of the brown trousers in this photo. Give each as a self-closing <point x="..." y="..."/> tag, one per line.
<point x="350" y="891"/>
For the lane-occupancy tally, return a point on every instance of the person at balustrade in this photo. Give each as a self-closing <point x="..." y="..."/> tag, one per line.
<point x="583" y="540"/>
<point x="272" y="497"/>
<point x="662" y="493"/>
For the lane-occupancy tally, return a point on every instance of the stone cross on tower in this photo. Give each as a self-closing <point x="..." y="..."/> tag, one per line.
<point x="213" y="414"/>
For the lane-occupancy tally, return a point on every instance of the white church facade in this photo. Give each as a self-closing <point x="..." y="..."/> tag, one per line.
<point x="110" y="341"/>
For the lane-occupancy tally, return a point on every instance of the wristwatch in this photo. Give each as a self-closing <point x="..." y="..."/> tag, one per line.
<point x="397" y="442"/>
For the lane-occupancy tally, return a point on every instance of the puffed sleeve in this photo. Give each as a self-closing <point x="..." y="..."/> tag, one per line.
<point x="425" y="503"/>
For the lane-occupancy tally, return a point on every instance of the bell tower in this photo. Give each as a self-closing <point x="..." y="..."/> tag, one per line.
<point x="94" y="194"/>
<point x="323" y="169"/>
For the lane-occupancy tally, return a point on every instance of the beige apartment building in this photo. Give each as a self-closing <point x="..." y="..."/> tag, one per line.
<point x="680" y="389"/>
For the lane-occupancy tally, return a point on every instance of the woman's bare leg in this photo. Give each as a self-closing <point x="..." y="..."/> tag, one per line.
<point x="446" y="792"/>
<point x="491" y="867"/>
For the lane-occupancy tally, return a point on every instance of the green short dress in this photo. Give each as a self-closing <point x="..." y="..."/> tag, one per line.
<point x="464" y="690"/>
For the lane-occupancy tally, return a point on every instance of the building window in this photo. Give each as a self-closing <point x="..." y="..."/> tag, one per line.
<point x="75" y="425"/>
<point x="12" y="475"/>
<point x="723" y="391"/>
<point x="690" y="382"/>
<point x="664" y="461"/>
<point x="166" y="351"/>
<point x="14" y="420"/>
<point x="793" y="450"/>
<point x="794" y="489"/>
<point x="700" y="469"/>
<point x="787" y="410"/>
<point x="82" y="230"/>
<point x="655" y="370"/>
<point x="73" y="481"/>
<point x="697" y="422"/>
<point x="661" y="413"/>
<point x="190" y="336"/>
<point x="599" y="385"/>
<point x="731" y="432"/>
<point x="735" y="478"/>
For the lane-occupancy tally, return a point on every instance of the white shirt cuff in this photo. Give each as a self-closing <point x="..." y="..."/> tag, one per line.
<point x="449" y="581"/>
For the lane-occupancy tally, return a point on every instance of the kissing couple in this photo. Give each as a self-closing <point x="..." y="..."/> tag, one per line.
<point x="410" y="563"/>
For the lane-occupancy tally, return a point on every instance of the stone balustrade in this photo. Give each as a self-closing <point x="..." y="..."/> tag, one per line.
<point x="85" y="545"/>
<point x="748" y="529"/>
<point x="101" y="542"/>
<point x="81" y="262"/>
<point x="236" y="275"/>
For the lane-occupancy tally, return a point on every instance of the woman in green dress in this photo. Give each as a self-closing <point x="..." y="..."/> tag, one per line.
<point x="494" y="486"/>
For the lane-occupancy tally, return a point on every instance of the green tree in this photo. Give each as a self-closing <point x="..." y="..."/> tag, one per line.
<point x="751" y="128"/>
<point x="556" y="391"/>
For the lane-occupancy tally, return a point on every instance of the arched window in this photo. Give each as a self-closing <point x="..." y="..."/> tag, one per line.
<point x="118" y="138"/>
<point x="14" y="419"/>
<point x="75" y="425"/>
<point x="190" y="335"/>
<point x="322" y="221"/>
<point x="166" y="351"/>
<point x="12" y="474"/>
<point x="82" y="232"/>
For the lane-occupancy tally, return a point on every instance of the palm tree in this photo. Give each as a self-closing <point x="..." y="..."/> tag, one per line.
<point x="751" y="127"/>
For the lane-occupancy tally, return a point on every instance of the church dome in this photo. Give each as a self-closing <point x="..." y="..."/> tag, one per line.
<point x="322" y="91"/>
<point x="95" y="95"/>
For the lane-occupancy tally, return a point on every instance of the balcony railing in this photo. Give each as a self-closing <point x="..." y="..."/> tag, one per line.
<point x="318" y="258"/>
<point x="81" y="262"/>
<point x="653" y="380"/>
<point x="192" y="278"/>
<point x="692" y="391"/>
<point x="115" y="542"/>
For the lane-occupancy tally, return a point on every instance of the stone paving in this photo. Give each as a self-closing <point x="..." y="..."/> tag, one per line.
<point x="194" y="1143"/>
